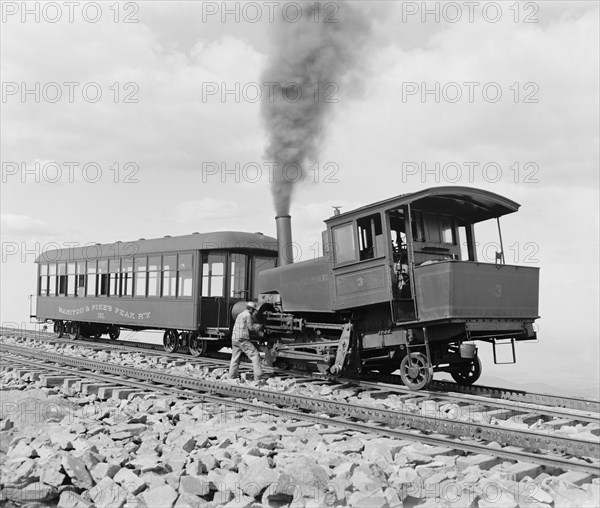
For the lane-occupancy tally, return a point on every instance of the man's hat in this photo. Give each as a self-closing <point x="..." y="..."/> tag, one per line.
<point x="251" y="305"/>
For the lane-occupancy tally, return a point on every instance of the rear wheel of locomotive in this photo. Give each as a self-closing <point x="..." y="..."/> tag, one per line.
<point x="416" y="372"/>
<point x="170" y="339"/>
<point x="59" y="328"/>
<point x="467" y="373"/>
<point x="197" y="345"/>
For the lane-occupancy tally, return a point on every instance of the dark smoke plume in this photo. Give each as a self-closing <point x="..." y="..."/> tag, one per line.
<point x="320" y="52"/>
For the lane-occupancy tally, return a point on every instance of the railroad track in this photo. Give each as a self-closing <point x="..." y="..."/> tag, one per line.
<point x="439" y="390"/>
<point x="562" y="453"/>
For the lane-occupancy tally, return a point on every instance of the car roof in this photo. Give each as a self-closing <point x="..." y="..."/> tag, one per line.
<point x="219" y="240"/>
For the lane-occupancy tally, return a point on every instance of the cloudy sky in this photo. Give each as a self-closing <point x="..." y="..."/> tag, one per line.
<point x="142" y="119"/>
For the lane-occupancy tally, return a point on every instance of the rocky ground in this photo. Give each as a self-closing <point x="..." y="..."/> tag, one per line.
<point x="59" y="448"/>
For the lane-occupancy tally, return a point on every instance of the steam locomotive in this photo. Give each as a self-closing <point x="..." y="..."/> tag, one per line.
<point x="398" y="286"/>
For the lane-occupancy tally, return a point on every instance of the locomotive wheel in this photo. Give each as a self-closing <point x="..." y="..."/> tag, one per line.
<point x="114" y="332"/>
<point x="415" y="371"/>
<point x="467" y="373"/>
<point x="170" y="339"/>
<point x="59" y="329"/>
<point x="197" y="345"/>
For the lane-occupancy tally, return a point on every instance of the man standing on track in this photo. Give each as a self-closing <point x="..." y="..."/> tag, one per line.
<point x="240" y="342"/>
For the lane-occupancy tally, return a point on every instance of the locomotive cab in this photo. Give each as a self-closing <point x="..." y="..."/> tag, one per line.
<point x="400" y="287"/>
<point x="409" y="267"/>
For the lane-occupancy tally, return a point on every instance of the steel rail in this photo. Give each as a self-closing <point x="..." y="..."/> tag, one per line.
<point x="488" y="402"/>
<point x="507" y="394"/>
<point x="419" y="396"/>
<point x="562" y="463"/>
<point x="458" y="429"/>
<point x="521" y="396"/>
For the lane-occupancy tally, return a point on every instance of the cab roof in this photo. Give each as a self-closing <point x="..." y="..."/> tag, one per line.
<point x="469" y="205"/>
<point x="220" y="240"/>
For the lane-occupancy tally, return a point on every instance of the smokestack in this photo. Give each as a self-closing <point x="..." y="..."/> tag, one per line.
<point x="284" y="239"/>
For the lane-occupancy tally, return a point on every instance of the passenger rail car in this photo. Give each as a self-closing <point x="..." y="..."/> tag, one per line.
<point x="399" y="286"/>
<point x="184" y="285"/>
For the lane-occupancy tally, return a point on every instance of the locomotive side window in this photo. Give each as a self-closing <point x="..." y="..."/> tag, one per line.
<point x="91" y="278"/>
<point x="213" y="274"/>
<point x="417" y="227"/>
<point x="43" y="280"/>
<point x="103" y="277"/>
<point x="140" y="275"/>
<point x="370" y="237"/>
<point x="185" y="273"/>
<point x="114" y="266"/>
<point x="62" y="279"/>
<point x="258" y="265"/>
<point x="466" y="241"/>
<point x="52" y="279"/>
<point x="447" y="227"/>
<point x="398" y="241"/>
<point x="127" y="277"/>
<point x="80" y="278"/>
<point x="153" y="276"/>
<point x="169" y="275"/>
<point x="237" y="272"/>
<point x="343" y="243"/>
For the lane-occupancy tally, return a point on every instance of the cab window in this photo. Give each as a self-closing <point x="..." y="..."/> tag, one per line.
<point x="343" y="243"/>
<point x="447" y="228"/>
<point x="370" y="237"/>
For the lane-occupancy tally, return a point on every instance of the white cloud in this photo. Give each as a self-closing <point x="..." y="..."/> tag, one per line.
<point x="19" y="225"/>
